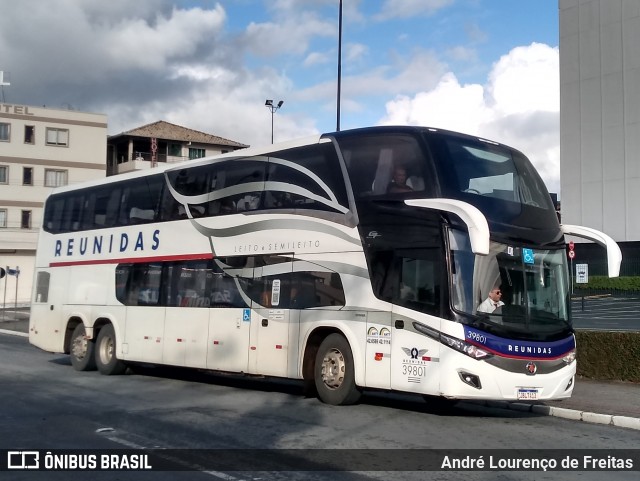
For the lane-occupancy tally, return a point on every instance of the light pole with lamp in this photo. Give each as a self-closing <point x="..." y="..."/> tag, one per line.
<point x="269" y="104"/>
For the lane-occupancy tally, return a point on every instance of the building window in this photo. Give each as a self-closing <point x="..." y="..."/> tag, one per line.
<point x="25" y="220"/>
<point x="5" y="132"/>
<point x="27" y="176"/>
<point x="3" y="217"/>
<point x="196" y="153"/>
<point x="175" y="150"/>
<point x="57" y="136"/>
<point x="55" y="178"/>
<point x="4" y="174"/>
<point x="29" y="134"/>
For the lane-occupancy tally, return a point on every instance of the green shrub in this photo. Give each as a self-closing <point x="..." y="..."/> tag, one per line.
<point x="627" y="283"/>
<point x="613" y="356"/>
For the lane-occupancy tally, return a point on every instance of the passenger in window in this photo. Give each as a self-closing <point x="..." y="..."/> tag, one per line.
<point x="399" y="181"/>
<point x="493" y="302"/>
<point x="407" y="293"/>
<point x="248" y="202"/>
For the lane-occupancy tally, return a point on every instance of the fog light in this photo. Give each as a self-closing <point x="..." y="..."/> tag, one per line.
<point x="470" y="379"/>
<point x="569" y="385"/>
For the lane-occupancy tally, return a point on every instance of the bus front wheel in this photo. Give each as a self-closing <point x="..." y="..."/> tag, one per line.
<point x="335" y="373"/>
<point x="82" y="350"/>
<point x="106" y="359"/>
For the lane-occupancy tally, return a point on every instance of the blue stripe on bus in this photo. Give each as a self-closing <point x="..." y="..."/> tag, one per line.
<point x="519" y="349"/>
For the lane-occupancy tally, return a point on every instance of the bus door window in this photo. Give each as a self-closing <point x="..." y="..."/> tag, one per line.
<point x="409" y="277"/>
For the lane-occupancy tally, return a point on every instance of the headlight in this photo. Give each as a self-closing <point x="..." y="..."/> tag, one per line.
<point x="464" y="347"/>
<point x="569" y="357"/>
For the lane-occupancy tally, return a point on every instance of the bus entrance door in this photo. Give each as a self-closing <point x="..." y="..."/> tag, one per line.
<point x="230" y="316"/>
<point x="228" y="339"/>
<point x="270" y="323"/>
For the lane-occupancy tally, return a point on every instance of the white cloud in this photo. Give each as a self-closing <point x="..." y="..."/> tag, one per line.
<point x="317" y="58"/>
<point x="518" y="106"/>
<point x="290" y="35"/>
<point x="410" y="8"/>
<point x="421" y="71"/>
<point x="354" y="52"/>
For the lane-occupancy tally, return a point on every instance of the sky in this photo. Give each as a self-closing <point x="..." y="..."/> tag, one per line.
<point x="483" y="67"/>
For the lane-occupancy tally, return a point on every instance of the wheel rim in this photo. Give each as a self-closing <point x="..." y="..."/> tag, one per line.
<point x="333" y="368"/>
<point x="79" y="347"/>
<point x="105" y="350"/>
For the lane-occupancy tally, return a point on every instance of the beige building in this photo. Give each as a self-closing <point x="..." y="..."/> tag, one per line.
<point x="43" y="148"/>
<point x="143" y="147"/>
<point x="40" y="148"/>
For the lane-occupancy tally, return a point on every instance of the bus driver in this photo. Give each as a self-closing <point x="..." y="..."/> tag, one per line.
<point x="492" y="302"/>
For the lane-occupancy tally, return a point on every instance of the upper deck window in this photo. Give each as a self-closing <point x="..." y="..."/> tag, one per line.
<point x="385" y="165"/>
<point x="483" y="168"/>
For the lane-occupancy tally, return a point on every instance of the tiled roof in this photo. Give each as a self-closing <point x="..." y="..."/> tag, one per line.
<point x="168" y="131"/>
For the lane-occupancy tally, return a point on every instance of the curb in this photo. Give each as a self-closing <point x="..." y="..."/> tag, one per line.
<point x="572" y="414"/>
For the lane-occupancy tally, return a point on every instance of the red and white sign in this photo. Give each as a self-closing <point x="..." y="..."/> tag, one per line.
<point x="571" y="245"/>
<point x="572" y="254"/>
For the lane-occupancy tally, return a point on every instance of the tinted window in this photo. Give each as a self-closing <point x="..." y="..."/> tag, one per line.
<point x="307" y="177"/>
<point x="385" y="165"/>
<point x="141" y="200"/>
<point x="481" y="168"/>
<point x="42" y="286"/>
<point x="235" y="282"/>
<point x="409" y="277"/>
<point x="219" y="188"/>
<point x="135" y="201"/>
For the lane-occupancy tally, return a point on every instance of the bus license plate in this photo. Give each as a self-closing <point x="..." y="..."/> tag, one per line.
<point x="528" y="394"/>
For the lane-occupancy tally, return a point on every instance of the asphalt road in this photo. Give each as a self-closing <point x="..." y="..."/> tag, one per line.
<point x="47" y="405"/>
<point x="606" y="313"/>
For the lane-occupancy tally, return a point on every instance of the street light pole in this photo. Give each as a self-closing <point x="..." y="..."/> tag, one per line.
<point x="339" y="66"/>
<point x="269" y="104"/>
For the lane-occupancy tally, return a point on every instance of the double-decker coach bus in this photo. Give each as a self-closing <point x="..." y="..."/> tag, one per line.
<point x="351" y="260"/>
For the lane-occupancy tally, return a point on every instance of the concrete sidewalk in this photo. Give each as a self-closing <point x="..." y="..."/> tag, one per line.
<point x="602" y="402"/>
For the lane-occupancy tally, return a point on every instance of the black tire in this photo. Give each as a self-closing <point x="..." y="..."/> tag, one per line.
<point x="81" y="350"/>
<point x="106" y="360"/>
<point x="335" y="373"/>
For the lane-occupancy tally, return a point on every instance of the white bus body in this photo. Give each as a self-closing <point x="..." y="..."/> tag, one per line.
<point x="291" y="262"/>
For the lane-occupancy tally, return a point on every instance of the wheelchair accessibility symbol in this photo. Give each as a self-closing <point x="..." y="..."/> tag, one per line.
<point x="246" y="315"/>
<point x="527" y="256"/>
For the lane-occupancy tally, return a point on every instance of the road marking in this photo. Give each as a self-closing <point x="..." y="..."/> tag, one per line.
<point x="14" y="333"/>
<point x="157" y="452"/>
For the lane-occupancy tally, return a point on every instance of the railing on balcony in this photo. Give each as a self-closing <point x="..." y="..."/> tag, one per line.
<point x="160" y="158"/>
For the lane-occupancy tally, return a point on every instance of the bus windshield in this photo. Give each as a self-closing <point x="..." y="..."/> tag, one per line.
<point x="516" y="290"/>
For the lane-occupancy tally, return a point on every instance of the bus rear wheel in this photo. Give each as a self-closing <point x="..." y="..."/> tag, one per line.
<point x="106" y="359"/>
<point x="335" y="372"/>
<point x="81" y="350"/>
